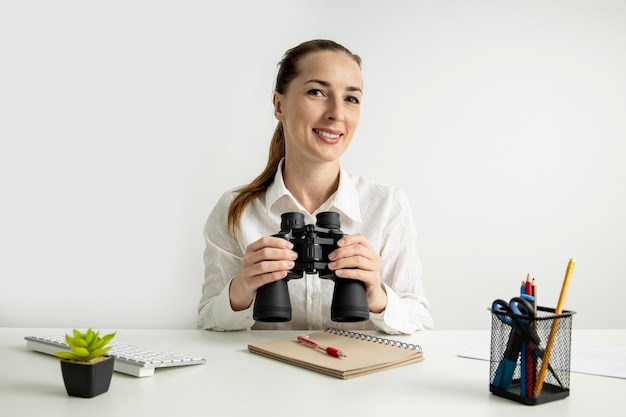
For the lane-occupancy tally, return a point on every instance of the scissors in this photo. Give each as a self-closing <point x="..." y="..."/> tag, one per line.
<point x="518" y="313"/>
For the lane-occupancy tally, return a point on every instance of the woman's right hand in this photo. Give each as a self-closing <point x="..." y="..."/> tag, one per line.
<point x="266" y="260"/>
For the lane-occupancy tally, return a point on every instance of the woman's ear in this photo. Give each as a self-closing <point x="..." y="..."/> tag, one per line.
<point x="278" y="106"/>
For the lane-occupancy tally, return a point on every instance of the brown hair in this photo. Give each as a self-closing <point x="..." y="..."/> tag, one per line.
<point x="287" y="71"/>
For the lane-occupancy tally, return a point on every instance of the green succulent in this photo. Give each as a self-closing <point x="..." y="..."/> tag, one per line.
<point x="86" y="346"/>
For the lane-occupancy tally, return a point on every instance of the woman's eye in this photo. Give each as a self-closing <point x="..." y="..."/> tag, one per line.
<point x="353" y="100"/>
<point x="315" y="92"/>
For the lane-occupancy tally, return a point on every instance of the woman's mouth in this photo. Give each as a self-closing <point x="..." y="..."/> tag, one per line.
<point x="328" y="136"/>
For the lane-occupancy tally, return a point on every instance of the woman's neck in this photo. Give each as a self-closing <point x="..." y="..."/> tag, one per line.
<point x="311" y="185"/>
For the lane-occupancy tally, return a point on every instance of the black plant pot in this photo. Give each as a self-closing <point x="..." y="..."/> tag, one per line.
<point x="87" y="379"/>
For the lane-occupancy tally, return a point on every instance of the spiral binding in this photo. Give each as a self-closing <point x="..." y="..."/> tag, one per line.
<point x="376" y="339"/>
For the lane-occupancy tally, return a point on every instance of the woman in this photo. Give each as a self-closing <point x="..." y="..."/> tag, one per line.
<point x="317" y="104"/>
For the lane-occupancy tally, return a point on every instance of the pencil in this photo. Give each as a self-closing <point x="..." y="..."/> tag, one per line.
<point x="534" y="294"/>
<point x="545" y="360"/>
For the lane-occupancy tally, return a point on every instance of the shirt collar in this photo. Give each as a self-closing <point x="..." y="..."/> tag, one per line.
<point x="344" y="200"/>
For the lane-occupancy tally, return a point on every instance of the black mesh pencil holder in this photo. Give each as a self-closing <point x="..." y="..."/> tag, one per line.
<point x="530" y="356"/>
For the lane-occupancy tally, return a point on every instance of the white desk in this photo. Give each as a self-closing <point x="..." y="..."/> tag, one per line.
<point x="235" y="382"/>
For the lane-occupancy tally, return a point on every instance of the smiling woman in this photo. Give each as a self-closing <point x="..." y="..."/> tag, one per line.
<point x="319" y="113"/>
<point x="317" y="103"/>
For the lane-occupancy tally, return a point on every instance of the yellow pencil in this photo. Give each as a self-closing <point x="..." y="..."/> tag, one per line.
<point x="555" y="324"/>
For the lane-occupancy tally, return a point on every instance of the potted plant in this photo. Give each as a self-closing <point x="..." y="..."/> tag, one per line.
<point x="87" y="371"/>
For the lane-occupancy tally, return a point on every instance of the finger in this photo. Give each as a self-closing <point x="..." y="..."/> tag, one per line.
<point x="352" y="251"/>
<point x="355" y="239"/>
<point x="357" y="274"/>
<point x="268" y="249"/>
<point x="269" y="276"/>
<point x="253" y="282"/>
<point x="369" y="278"/>
<point x="268" y="267"/>
<point x="269" y="254"/>
<point x="264" y="272"/>
<point x="351" y="262"/>
<point x="269" y="242"/>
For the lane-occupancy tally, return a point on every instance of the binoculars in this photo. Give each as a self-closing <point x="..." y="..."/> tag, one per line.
<point x="313" y="243"/>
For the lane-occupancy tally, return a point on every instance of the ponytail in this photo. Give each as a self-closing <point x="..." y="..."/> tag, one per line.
<point x="258" y="186"/>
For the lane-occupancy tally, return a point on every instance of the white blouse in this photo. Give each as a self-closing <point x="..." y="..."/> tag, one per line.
<point x="380" y="212"/>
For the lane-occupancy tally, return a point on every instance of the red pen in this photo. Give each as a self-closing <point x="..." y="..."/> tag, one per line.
<point x="312" y="344"/>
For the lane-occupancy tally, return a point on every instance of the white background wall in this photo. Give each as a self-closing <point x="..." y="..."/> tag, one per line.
<point x="122" y="122"/>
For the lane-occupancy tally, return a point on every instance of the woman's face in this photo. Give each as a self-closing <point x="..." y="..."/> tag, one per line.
<point x="320" y="109"/>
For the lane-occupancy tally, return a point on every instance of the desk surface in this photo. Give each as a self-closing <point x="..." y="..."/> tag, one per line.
<point x="237" y="382"/>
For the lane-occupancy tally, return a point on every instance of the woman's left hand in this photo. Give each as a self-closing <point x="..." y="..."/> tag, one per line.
<point x="355" y="258"/>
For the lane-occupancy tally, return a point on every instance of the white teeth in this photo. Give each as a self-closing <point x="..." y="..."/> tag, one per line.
<point x="326" y="134"/>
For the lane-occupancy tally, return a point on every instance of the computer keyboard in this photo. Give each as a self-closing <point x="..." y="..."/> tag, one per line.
<point x="131" y="360"/>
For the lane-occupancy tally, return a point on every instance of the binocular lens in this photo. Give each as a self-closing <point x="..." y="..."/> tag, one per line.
<point x="272" y="302"/>
<point x="291" y="220"/>
<point x="328" y="220"/>
<point x="349" y="301"/>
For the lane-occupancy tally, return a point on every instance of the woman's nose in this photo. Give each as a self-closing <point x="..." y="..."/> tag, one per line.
<point x="335" y="110"/>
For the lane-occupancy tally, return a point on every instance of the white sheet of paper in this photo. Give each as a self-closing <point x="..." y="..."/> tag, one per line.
<point x="588" y="357"/>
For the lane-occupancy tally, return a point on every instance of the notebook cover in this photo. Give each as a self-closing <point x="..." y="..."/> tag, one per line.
<point x="362" y="356"/>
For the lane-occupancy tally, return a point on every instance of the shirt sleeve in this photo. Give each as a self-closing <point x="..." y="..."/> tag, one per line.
<point x="401" y="274"/>
<point x="222" y="261"/>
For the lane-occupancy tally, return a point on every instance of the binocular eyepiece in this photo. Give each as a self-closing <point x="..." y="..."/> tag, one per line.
<point x="313" y="244"/>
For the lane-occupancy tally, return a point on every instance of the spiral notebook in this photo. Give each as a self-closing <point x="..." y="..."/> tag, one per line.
<point x="365" y="353"/>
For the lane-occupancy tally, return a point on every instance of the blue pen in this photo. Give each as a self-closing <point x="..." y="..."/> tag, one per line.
<point x="524" y="294"/>
<point x="506" y="368"/>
